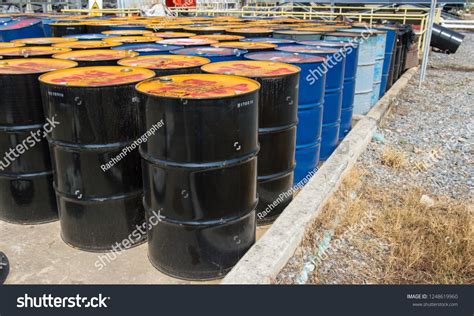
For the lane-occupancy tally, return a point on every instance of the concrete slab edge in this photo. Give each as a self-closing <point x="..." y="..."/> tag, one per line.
<point x="269" y="255"/>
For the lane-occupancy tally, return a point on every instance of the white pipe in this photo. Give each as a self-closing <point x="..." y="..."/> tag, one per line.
<point x="426" y="51"/>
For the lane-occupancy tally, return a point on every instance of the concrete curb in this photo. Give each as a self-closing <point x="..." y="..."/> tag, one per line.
<point x="269" y="255"/>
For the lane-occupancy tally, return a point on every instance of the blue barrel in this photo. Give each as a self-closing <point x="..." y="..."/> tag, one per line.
<point x="310" y="108"/>
<point x="350" y="71"/>
<point x="89" y="37"/>
<point x="22" y="28"/>
<point x="389" y="46"/>
<point x="127" y="27"/>
<point x="298" y="35"/>
<point x="381" y="37"/>
<point x="271" y="40"/>
<point x="149" y="48"/>
<point x="5" y="19"/>
<point x="215" y="54"/>
<point x="334" y="70"/>
<point x="365" y="66"/>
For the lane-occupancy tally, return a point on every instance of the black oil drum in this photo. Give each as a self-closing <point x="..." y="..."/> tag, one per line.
<point x="26" y="176"/>
<point x="278" y="116"/>
<point x="251" y="47"/>
<point x="200" y="171"/>
<point x="97" y="27"/>
<point x="204" y="30"/>
<point x="31" y="52"/>
<point x="165" y="65"/>
<point x="60" y="29"/>
<point x="251" y="32"/>
<point x="96" y="57"/>
<point x="93" y="150"/>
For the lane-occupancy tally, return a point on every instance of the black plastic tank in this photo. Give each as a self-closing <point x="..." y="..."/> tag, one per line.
<point x="278" y="117"/>
<point x="200" y="171"/>
<point x="26" y="176"/>
<point x="31" y="52"/>
<point x="60" y="29"/>
<point x="94" y="153"/>
<point x="165" y="65"/>
<point x="96" y="57"/>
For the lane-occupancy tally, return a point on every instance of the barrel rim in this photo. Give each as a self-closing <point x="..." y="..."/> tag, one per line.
<point x="200" y="98"/>
<point x="84" y="51"/>
<point x="203" y="59"/>
<point x="72" y="63"/>
<point x="297" y="70"/>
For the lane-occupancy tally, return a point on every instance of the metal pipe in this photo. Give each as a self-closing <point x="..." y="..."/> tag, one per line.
<point x="427" y="41"/>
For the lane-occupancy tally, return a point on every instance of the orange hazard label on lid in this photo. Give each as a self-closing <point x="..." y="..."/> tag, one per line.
<point x="246" y="45"/>
<point x="127" y="32"/>
<point x="32" y="51"/>
<point x="198" y="86"/>
<point x="33" y="65"/>
<point x="10" y="44"/>
<point x="131" y="39"/>
<point x="44" y="40"/>
<point x="250" y="68"/>
<point x="86" y="44"/>
<point x="97" y="76"/>
<point x="96" y="55"/>
<point x="164" y="61"/>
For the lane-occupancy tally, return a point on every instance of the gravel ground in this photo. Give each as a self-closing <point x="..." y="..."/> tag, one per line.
<point x="431" y="128"/>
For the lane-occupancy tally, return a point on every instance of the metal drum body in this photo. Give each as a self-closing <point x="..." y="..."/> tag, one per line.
<point x="205" y="188"/>
<point x="350" y="71"/>
<point x="251" y="32"/>
<point x="278" y="117"/>
<point x="271" y="40"/>
<point x="310" y="108"/>
<point x="149" y="48"/>
<point x="63" y="29"/>
<point x="334" y="71"/>
<point x="214" y="54"/>
<point x="381" y="37"/>
<point x="26" y="180"/>
<point x="21" y="28"/>
<point x="298" y="35"/>
<point x="98" y="206"/>
<point x="251" y="47"/>
<point x="124" y="27"/>
<point x="365" y="68"/>
<point x="389" y="51"/>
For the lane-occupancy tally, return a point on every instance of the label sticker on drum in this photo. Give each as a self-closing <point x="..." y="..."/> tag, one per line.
<point x="32" y="51"/>
<point x="198" y="86"/>
<point x="97" y="76"/>
<point x="96" y="55"/>
<point x="164" y="61"/>
<point x="246" y="45"/>
<point x="44" y="40"/>
<point x="33" y="65"/>
<point x="250" y="68"/>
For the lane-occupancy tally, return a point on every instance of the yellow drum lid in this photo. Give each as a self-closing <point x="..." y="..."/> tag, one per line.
<point x="246" y="45"/>
<point x="96" y="54"/>
<point x="173" y="34"/>
<point x="188" y="41"/>
<point x="86" y="44"/>
<point x="127" y="32"/>
<point x="164" y="61"/>
<point x="32" y="51"/>
<point x="131" y="39"/>
<point x="10" y="44"/>
<point x="44" y="40"/>
<point x="66" y="23"/>
<point x="204" y="28"/>
<point x="99" y="76"/>
<point x="316" y="29"/>
<point x="33" y="65"/>
<point x="251" y="68"/>
<point x="198" y="86"/>
<point x="250" y="30"/>
<point x="220" y="37"/>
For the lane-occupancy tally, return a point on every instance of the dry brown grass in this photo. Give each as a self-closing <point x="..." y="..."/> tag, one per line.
<point x="393" y="158"/>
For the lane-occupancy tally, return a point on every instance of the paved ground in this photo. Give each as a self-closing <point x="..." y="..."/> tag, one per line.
<point x="425" y="143"/>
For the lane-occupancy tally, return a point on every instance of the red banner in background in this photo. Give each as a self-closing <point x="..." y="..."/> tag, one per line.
<point x="180" y="3"/>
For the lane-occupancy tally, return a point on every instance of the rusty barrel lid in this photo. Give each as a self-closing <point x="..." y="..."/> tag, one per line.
<point x="86" y="44"/>
<point x="246" y="45"/>
<point x="187" y="41"/>
<point x="96" y="55"/>
<point x="99" y="76"/>
<point x="32" y="51"/>
<point x="43" y="40"/>
<point x="23" y="66"/>
<point x="10" y="44"/>
<point x="198" y="86"/>
<point x="164" y="61"/>
<point x="127" y="32"/>
<point x="131" y="39"/>
<point x="251" y="68"/>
